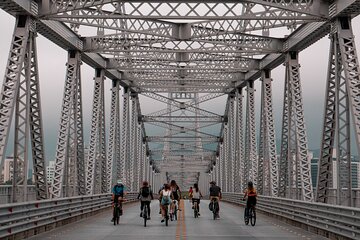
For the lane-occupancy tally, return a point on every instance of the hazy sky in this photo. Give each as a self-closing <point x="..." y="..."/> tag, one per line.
<point x="52" y="59"/>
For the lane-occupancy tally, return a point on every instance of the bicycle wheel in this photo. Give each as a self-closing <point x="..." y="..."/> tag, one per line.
<point x="145" y="211"/>
<point x="246" y="219"/>
<point x="166" y="216"/>
<point x="195" y="210"/>
<point x="175" y="212"/>
<point x="252" y="216"/>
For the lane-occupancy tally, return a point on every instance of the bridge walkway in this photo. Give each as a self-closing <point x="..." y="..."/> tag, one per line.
<point x="229" y="226"/>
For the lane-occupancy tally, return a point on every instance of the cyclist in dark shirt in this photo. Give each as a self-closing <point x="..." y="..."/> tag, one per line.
<point x="215" y="193"/>
<point x="176" y="193"/>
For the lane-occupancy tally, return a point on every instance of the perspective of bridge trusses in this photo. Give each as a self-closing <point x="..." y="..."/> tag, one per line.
<point x="182" y="54"/>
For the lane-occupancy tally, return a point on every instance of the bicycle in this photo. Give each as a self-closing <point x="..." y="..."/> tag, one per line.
<point x="173" y="212"/>
<point x="117" y="212"/>
<point x="166" y="209"/>
<point x="196" y="209"/>
<point x="215" y="207"/>
<point x="145" y="214"/>
<point x="250" y="215"/>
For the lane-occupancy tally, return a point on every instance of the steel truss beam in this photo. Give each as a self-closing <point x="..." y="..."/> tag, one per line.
<point x="250" y="161"/>
<point x="125" y="139"/>
<point x="341" y="94"/>
<point x="267" y="160"/>
<point x="113" y="160"/>
<point x="240" y="144"/>
<point x="70" y="145"/>
<point x="294" y="167"/>
<point x="256" y="10"/>
<point x="20" y="92"/>
<point x="96" y="178"/>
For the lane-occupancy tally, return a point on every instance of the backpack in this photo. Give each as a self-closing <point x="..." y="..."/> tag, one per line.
<point x="166" y="200"/>
<point x="145" y="192"/>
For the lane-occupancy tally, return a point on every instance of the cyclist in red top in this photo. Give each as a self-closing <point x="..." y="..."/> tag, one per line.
<point x="250" y="192"/>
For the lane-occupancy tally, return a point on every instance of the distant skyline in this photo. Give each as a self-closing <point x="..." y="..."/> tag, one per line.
<point x="52" y="60"/>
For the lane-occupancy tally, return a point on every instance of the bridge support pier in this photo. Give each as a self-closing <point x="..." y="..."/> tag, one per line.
<point x="341" y="103"/>
<point x="267" y="160"/>
<point x="70" y="144"/>
<point x="294" y="167"/>
<point x="21" y="92"/>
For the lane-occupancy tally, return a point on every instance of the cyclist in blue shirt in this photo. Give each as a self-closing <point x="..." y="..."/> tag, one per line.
<point x="118" y="191"/>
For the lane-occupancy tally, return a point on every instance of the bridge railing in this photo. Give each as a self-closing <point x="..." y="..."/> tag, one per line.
<point x="22" y="220"/>
<point x="324" y="219"/>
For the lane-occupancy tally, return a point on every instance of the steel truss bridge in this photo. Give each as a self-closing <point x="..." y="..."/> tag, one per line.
<point x="182" y="55"/>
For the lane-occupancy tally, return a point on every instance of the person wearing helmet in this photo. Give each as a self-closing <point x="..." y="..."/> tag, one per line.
<point x="251" y="195"/>
<point x="118" y="191"/>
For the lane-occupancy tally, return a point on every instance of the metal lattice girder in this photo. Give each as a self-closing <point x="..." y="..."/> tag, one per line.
<point x="180" y="105"/>
<point x="113" y="165"/>
<point x="232" y="143"/>
<point x="133" y="142"/>
<point x="148" y="43"/>
<point x="96" y="159"/>
<point x="267" y="159"/>
<point x="220" y="63"/>
<point x="201" y="99"/>
<point x="71" y="90"/>
<point x="182" y="119"/>
<point x="175" y="9"/>
<point x="250" y="161"/>
<point x="239" y="158"/>
<point x="10" y="86"/>
<point x="124" y="139"/>
<point x="22" y="82"/>
<point x="341" y="93"/>
<point x="294" y="160"/>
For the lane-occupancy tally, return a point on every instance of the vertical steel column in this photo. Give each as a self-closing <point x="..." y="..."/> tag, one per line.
<point x="250" y="163"/>
<point x="232" y="144"/>
<point x="294" y="160"/>
<point x="341" y="95"/>
<point x="112" y="160"/>
<point x="267" y="165"/>
<point x="240" y="146"/>
<point x="124" y="159"/>
<point x="70" y="131"/>
<point x="226" y="158"/>
<point x="138" y="175"/>
<point x="102" y="143"/>
<point x="21" y="81"/>
<point x="133" y="141"/>
<point x="95" y="179"/>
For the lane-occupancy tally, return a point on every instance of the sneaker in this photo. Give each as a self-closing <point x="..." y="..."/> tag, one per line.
<point x="160" y="212"/>
<point x="112" y="220"/>
<point x="192" y="207"/>
<point x="163" y="220"/>
<point x="149" y="218"/>
<point x="199" y="214"/>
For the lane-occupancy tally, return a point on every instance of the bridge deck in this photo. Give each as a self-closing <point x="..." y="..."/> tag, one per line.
<point x="230" y="226"/>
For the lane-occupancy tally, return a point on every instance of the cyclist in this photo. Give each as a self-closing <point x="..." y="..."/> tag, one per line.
<point x="250" y="192"/>
<point x="165" y="200"/>
<point x="175" y="190"/>
<point x="145" y="195"/>
<point x="118" y="192"/>
<point x="215" y="193"/>
<point x="161" y="188"/>
<point x="196" y="197"/>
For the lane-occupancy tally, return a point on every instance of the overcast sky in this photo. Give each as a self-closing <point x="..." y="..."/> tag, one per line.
<point x="52" y="59"/>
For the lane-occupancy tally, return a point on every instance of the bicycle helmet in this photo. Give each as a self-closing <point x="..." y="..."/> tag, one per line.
<point x="250" y="184"/>
<point x="119" y="181"/>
